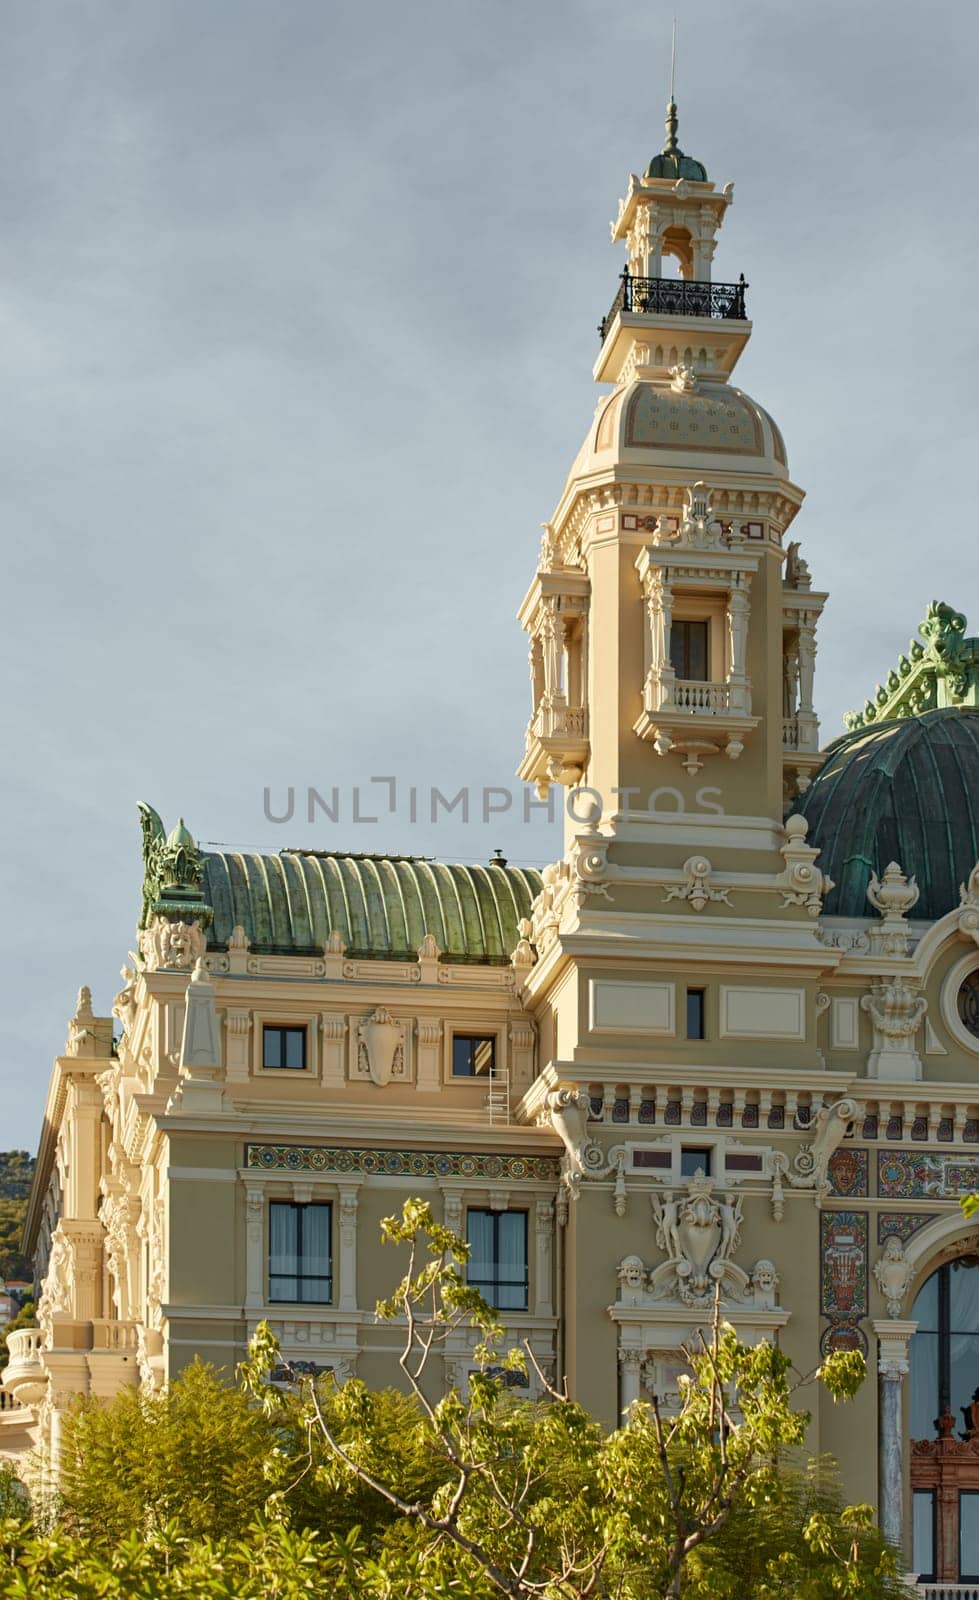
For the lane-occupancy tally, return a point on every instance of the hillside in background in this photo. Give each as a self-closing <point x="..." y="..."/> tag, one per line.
<point x="16" y="1173"/>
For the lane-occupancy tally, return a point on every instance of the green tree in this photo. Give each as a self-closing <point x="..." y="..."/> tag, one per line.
<point x="209" y="1491"/>
<point x="537" y="1500"/>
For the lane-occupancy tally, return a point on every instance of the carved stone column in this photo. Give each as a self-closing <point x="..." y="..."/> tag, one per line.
<point x="630" y="1375"/>
<point x="892" y="1369"/>
<point x="254" y="1255"/>
<point x="738" y="612"/>
<point x="521" y="1056"/>
<point x="544" y="1218"/>
<point x="348" y="1247"/>
<point x="807" y="666"/>
<point x="238" y="1027"/>
<point x="428" y="1070"/>
<point x="333" y="1031"/>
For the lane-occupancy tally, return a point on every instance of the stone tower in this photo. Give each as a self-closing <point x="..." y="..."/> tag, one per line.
<point x="672" y="642"/>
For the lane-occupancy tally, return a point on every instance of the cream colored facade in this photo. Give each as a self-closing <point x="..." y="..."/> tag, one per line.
<point x="804" y="1154"/>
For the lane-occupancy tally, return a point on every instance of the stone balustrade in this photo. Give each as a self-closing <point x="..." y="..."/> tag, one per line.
<point x="24" y="1376"/>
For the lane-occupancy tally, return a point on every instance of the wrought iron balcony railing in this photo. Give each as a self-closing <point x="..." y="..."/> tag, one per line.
<point x="677" y="297"/>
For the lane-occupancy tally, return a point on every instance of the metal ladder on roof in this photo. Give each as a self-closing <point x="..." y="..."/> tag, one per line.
<point x="498" y="1099"/>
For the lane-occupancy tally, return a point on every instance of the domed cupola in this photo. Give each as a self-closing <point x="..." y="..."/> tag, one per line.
<point x="903" y="784"/>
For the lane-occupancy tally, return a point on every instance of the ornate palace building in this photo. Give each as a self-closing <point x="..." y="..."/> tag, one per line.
<point x="730" y="1038"/>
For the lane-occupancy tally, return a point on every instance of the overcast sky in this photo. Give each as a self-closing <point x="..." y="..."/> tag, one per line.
<point x="297" y="318"/>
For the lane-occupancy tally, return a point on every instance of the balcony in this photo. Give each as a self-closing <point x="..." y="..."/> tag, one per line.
<point x="677" y="297"/>
<point x="556" y="746"/>
<point x="695" y="717"/>
<point x="24" y="1376"/>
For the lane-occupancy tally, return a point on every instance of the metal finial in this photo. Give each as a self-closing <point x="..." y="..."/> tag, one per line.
<point x="671" y="147"/>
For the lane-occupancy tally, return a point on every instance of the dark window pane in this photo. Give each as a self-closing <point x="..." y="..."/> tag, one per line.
<point x="284" y="1047"/>
<point x="969" y="1535"/>
<point x="924" y="1385"/>
<point x="498" y="1262"/>
<point x="473" y="1055"/>
<point x="695" y="1013"/>
<point x="693" y="1161"/>
<point x="923" y="1533"/>
<point x="688" y="650"/>
<point x="300" y="1263"/>
<point x="925" y="1308"/>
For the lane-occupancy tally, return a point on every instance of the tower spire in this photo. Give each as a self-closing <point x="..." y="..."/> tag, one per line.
<point x="671" y="147"/>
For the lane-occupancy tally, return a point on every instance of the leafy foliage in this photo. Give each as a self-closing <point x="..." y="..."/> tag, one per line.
<point x="211" y="1491"/>
<point x="16" y="1176"/>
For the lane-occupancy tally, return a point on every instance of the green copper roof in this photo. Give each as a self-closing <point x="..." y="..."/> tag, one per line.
<point x="905" y="791"/>
<point x="671" y="161"/>
<point x="382" y="906"/>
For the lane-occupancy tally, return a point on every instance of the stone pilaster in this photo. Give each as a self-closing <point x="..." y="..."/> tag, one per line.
<point x="893" y="1337"/>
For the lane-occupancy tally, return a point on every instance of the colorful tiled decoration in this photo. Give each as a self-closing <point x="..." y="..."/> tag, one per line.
<point x="401" y="1163"/>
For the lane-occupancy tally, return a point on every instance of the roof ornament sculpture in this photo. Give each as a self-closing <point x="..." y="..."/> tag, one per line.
<point x="942" y="671"/>
<point x="171" y="872"/>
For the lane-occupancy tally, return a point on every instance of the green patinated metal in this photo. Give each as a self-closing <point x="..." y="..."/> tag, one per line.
<point x="173" y="871"/>
<point x="942" y="671"/>
<point x="291" y="903"/>
<point x="671" y="162"/>
<point x="907" y="791"/>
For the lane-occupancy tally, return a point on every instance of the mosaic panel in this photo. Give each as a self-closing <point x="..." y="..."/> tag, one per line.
<point x="917" y="1175"/>
<point x="946" y="1129"/>
<point x="843" y="1263"/>
<point x="843" y="1333"/>
<point x="895" y="1128"/>
<point x="749" y="1117"/>
<point x="647" y="1111"/>
<point x="698" y="1114"/>
<point x="971" y="1129"/>
<point x="919" y="1128"/>
<point x="672" y="1118"/>
<point x="849" y="1173"/>
<point x="725" y="1114"/>
<point x="900" y="1224"/>
<point x="776" y="1117"/>
<point x="400" y="1163"/>
<point x="870" y="1126"/>
<point x="620" y="1111"/>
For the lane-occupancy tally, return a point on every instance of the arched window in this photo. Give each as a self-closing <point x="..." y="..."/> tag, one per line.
<point x="944" y="1423"/>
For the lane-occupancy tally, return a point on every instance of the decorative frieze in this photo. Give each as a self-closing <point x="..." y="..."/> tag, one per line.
<point x="401" y="1163"/>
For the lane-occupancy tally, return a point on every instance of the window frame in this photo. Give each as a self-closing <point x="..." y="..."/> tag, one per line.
<point x="300" y="1207"/>
<point x="489" y="1037"/>
<point x="284" y="1028"/>
<point x="704" y="1150"/>
<point x="701" y="994"/>
<point x="496" y="1283"/>
<point x="686" y="624"/>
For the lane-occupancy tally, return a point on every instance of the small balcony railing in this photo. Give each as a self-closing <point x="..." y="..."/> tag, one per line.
<point x="692" y="695"/>
<point x="677" y="297"/>
<point x="557" y="721"/>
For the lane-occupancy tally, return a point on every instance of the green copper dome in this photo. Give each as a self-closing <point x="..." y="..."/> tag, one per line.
<point x="671" y="162"/>
<point x="905" y="791"/>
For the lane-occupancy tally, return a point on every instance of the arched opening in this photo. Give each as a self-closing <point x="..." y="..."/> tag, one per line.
<point x="944" y="1423"/>
<point x="677" y="253"/>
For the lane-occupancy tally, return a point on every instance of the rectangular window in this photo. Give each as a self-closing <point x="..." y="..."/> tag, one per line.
<point x="923" y="1533"/>
<point x="300" y="1257"/>
<point x="473" y="1055"/>
<point x="284" y="1047"/>
<point x="695" y="1013"/>
<point x="968" y="1535"/>
<point x="498" y="1257"/>
<point x="694" y="1159"/>
<point x="688" y="650"/>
